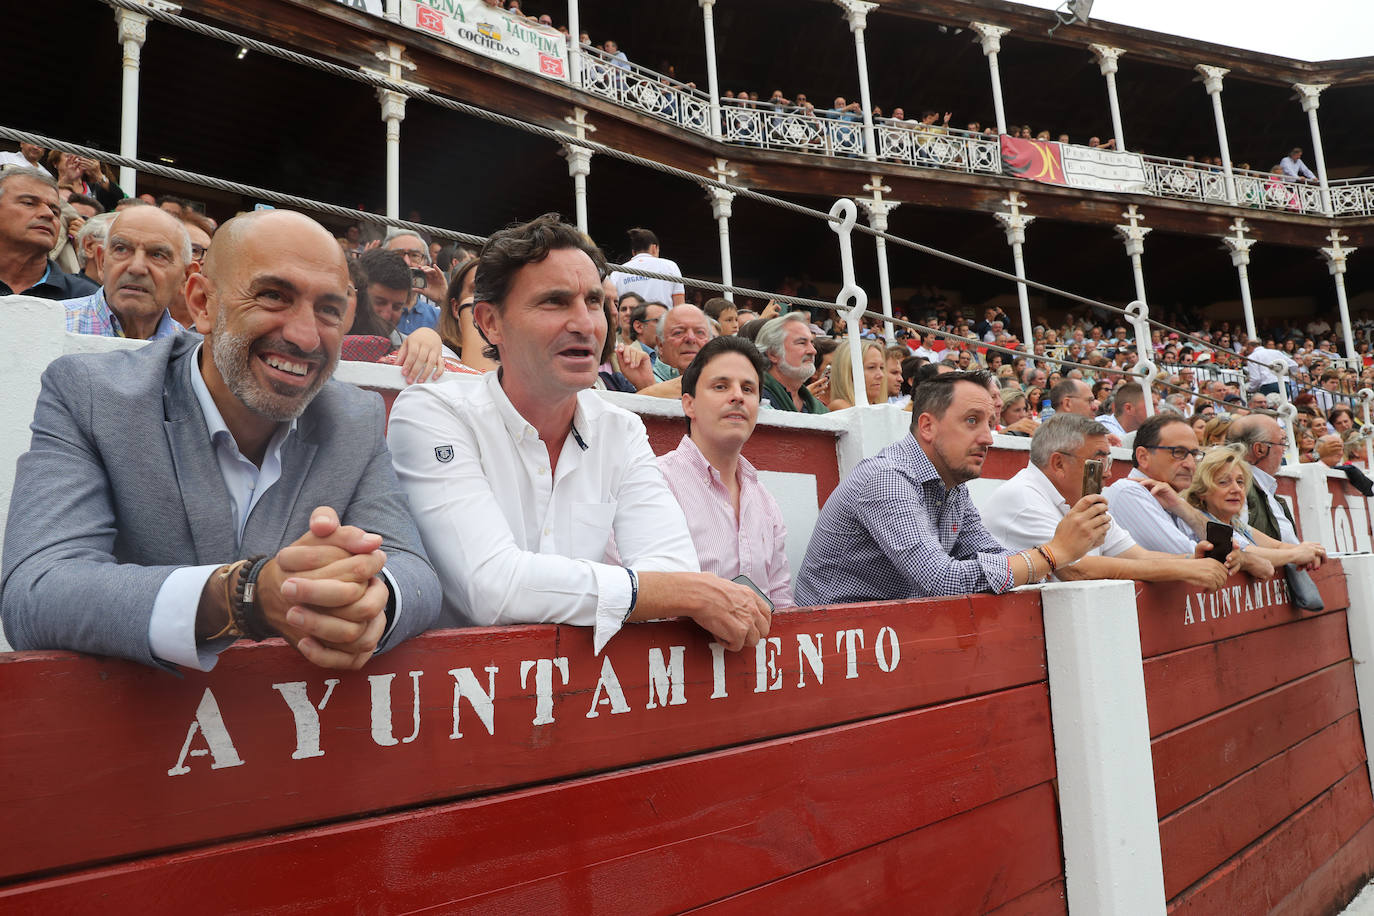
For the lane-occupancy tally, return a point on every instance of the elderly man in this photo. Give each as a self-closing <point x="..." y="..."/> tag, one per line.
<point x="1037" y="498"/>
<point x="644" y="325"/>
<point x="89" y="240"/>
<point x="736" y="525"/>
<point x="30" y="220"/>
<point x="682" y="331"/>
<point x="143" y="265"/>
<point x="187" y="493"/>
<point x="520" y="483"/>
<point x="902" y="524"/>
<point x="1265" y="444"/>
<point x="790" y="349"/>
<point x="420" y="312"/>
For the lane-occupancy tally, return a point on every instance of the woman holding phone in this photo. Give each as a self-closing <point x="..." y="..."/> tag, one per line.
<point x="1219" y="486"/>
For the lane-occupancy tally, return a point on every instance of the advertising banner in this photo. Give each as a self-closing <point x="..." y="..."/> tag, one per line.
<point x="1092" y="169"/>
<point x="492" y="32"/>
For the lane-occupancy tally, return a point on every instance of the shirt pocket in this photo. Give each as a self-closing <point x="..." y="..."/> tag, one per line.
<point x="590" y="529"/>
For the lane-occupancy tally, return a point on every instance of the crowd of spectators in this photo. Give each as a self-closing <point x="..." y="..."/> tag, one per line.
<point x="276" y="300"/>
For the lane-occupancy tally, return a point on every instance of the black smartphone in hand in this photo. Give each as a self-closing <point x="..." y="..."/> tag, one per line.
<point x="1221" y="537"/>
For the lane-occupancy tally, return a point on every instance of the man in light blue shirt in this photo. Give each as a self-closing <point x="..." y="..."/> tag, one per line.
<point x="1293" y="166"/>
<point x="143" y="265"/>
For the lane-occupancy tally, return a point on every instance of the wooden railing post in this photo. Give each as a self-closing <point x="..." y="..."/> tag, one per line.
<point x="1110" y="828"/>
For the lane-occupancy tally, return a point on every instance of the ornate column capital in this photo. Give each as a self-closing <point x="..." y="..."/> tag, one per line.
<point x="876" y="211"/>
<point x="579" y="160"/>
<point x="1107" y="57"/>
<point x="721" y="202"/>
<point x="989" y="36"/>
<point x="1336" y="255"/>
<point x="706" y="4"/>
<point x="1014" y="225"/>
<point x="1239" y="248"/>
<point x="393" y="105"/>
<point x="856" y="12"/>
<point x="1134" y="238"/>
<point x="1309" y="94"/>
<point x="1211" y="77"/>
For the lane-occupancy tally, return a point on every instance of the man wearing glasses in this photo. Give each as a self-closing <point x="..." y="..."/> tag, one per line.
<point x="1034" y="501"/>
<point x="1148" y="502"/>
<point x="1265" y="445"/>
<point x="422" y="313"/>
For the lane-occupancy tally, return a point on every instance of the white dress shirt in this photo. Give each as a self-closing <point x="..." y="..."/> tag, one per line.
<point x="1149" y="524"/>
<point x="1029" y="509"/>
<point x="513" y="542"/>
<point x="1257" y="369"/>
<point x="172" y="629"/>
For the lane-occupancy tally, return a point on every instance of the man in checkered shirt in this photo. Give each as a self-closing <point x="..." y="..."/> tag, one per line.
<point x="903" y="525"/>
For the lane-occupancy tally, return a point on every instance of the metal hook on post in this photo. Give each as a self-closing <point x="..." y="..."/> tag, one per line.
<point x="848" y="213"/>
<point x="1139" y="314"/>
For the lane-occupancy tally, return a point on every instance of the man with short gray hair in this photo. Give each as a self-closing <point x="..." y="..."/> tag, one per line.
<point x="1031" y="505"/>
<point x="422" y="313"/>
<point x="30" y="223"/>
<point x="791" y="351"/>
<point x="91" y="237"/>
<point x="143" y="265"/>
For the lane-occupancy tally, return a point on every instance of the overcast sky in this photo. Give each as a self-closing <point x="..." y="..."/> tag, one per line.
<point x="1303" y="29"/>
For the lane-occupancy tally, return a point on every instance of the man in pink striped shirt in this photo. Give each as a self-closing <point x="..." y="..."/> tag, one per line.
<point x="735" y="523"/>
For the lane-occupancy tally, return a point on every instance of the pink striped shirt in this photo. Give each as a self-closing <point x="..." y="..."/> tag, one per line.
<point x="756" y="546"/>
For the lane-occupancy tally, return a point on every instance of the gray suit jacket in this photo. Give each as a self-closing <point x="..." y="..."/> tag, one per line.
<point x="120" y="486"/>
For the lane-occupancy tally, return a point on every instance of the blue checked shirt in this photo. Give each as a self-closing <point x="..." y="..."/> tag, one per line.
<point x="892" y="530"/>
<point x="92" y="315"/>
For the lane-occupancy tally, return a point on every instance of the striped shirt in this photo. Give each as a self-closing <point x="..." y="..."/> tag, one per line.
<point x="892" y="530"/>
<point x="755" y="546"/>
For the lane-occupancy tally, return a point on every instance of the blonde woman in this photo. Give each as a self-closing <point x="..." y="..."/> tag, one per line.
<point x="1219" y="486"/>
<point x="842" y="374"/>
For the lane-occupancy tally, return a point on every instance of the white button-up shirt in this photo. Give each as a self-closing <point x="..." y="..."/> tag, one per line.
<point x="1029" y="509"/>
<point x="1257" y="368"/>
<point x="1269" y="486"/>
<point x="755" y="545"/>
<point x="514" y="541"/>
<point x="1145" y="520"/>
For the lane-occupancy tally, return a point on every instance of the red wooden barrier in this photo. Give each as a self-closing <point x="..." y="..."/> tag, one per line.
<point x="1260" y="773"/>
<point x="844" y="743"/>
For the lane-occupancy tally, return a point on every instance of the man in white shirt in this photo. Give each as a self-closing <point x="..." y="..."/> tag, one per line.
<point x="644" y="254"/>
<point x="1032" y="504"/>
<point x="1148" y="502"/>
<point x="1259" y="366"/>
<point x="736" y="525"/>
<point x="30" y="156"/>
<point x="520" y="480"/>
<point x="1128" y="411"/>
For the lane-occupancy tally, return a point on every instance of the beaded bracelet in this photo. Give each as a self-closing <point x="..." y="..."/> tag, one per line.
<point x="249" y="625"/>
<point x="231" y="626"/>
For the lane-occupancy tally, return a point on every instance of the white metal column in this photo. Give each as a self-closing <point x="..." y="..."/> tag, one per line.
<point x="133" y="32"/>
<point x="1107" y="57"/>
<point x="393" y="113"/>
<point x="1335" y="262"/>
<point x="579" y="164"/>
<point x="708" y="19"/>
<point x="1239" y="246"/>
<point x="1211" y="81"/>
<point x="1014" y="222"/>
<point x="990" y="37"/>
<point x="877" y="209"/>
<point x="722" y="208"/>
<point x="1133" y="237"/>
<point x="574" y="44"/>
<point x="1310" y="96"/>
<point x="856" y="12"/>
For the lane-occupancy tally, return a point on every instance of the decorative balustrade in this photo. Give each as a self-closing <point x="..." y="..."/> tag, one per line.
<point x="645" y="91"/>
<point x="822" y="133"/>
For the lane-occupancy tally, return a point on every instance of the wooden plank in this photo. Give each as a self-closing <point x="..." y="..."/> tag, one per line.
<point x="105" y="758"/>
<point x="1046" y="899"/>
<point x="1175" y="616"/>
<point x="647" y="839"/>
<point x="1335" y="882"/>
<point x="1191" y="683"/>
<point x="1271" y="868"/>
<point x="960" y="865"/>
<point x="1192" y="761"/>
<point x="770" y="448"/>
<point x="1199" y="837"/>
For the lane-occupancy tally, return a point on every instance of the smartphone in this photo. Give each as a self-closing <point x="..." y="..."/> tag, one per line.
<point x="418" y="280"/>
<point x="1092" y="477"/>
<point x="749" y="584"/>
<point x="1221" y="538"/>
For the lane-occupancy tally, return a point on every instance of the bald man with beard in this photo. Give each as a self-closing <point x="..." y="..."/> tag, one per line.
<point x="192" y="492"/>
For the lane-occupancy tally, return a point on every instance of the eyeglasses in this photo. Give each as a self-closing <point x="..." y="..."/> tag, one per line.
<point x="198" y="253"/>
<point x="415" y="256"/>
<point x="1179" y="452"/>
<point x="1106" y="459"/>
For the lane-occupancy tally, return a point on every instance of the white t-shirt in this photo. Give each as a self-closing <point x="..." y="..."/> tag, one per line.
<point x="652" y="290"/>
<point x="1029" y="509"/>
<point x="17" y="160"/>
